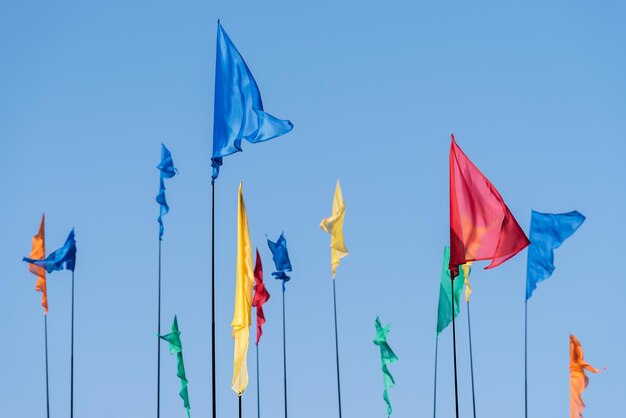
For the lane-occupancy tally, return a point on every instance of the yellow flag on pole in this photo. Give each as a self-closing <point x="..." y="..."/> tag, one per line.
<point x="334" y="226"/>
<point x="38" y="252"/>
<point x="578" y="378"/>
<point x="243" y="299"/>
<point x="466" y="269"/>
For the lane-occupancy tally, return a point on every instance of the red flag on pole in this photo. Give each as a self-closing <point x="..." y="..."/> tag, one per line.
<point x="481" y="225"/>
<point x="261" y="295"/>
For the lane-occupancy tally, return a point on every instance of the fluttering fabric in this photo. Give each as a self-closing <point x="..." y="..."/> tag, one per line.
<point x="334" y="226"/>
<point x="481" y="225"/>
<point x="176" y="347"/>
<point x="261" y="295"/>
<point x="167" y="171"/>
<point x="547" y="232"/>
<point x="280" y="255"/>
<point x="578" y="378"/>
<point x="243" y="299"/>
<point x="387" y="356"/>
<point x="466" y="269"/>
<point x="238" y="111"/>
<point x="64" y="257"/>
<point x="38" y="252"/>
<point x="444" y="311"/>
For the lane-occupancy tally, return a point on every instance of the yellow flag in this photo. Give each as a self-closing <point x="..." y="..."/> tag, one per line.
<point x="334" y="226"/>
<point x="578" y="378"/>
<point x="38" y="252"/>
<point x="466" y="272"/>
<point x="243" y="299"/>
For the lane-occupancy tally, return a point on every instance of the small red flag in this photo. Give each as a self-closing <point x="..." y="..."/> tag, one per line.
<point x="261" y="295"/>
<point x="481" y="225"/>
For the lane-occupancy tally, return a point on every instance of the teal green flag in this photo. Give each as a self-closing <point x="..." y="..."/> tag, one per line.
<point x="444" y="316"/>
<point x="176" y="347"/>
<point x="387" y="356"/>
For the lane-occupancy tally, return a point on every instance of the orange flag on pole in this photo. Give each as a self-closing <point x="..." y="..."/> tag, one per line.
<point x="38" y="252"/>
<point x="578" y="379"/>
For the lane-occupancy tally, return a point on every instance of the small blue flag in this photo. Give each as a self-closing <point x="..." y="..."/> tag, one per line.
<point x="64" y="256"/>
<point x="166" y="167"/>
<point x="281" y="258"/>
<point x="238" y="111"/>
<point x="547" y="232"/>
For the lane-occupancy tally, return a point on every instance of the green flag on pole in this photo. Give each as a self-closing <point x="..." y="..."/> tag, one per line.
<point x="387" y="356"/>
<point x="444" y="316"/>
<point x="176" y="347"/>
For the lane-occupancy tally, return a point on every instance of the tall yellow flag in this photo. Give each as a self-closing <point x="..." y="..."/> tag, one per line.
<point x="38" y="252"/>
<point x="334" y="226"/>
<point x="578" y="379"/>
<point x="467" y="268"/>
<point x="243" y="299"/>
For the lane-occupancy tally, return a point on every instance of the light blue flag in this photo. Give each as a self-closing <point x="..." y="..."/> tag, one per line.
<point x="167" y="171"/>
<point x="281" y="258"/>
<point x="238" y="111"/>
<point x="63" y="257"/>
<point x="547" y="232"/>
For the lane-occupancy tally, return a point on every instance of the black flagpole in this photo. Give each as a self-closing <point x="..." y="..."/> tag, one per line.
<point x="72" y="356"/>
<point x="240" y="405"/>
<point x="469" y="329"/>
<point x="435" y="385"/>
<point x="337" y="347"/>
<point x="284" y="352"/>
<point x="158" y="341"/>
<point x="213" y="301"/>
<point x="45" y="319"/>
<point x="526" y="358"/>
<point x="258" y="388"/>
<point x="456" y="386"/>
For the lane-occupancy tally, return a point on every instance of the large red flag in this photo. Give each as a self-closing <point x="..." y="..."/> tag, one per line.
<point x="261" y="295"/>
<point x="481" y="225"/>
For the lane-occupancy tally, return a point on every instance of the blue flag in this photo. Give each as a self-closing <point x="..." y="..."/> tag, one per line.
<point x="281" y="258"/>
<point x="166" y="167"/>
<point x="238" y="111"/>
<point x="64" y="256"/>
<point x="547" y="232"/>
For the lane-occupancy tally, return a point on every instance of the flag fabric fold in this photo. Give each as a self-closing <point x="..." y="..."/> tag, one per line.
<point x="547" y="232"/>
<point x="334" y="226"/>
<point x="578" y="378"/>
<point x="238" y="110"/>
<point x="64" y="257"/>
<point x="280" y="255"/>
<point x="261" y="295"/>
<point x="176" y="347"/>
<point x="481" y="225"/>
<point x="38" y="252"/>
<point x="167" y="171"/>
<point x="387" y="356"/>
<point x="243" y="299"/>
<point x="444" y="311"/>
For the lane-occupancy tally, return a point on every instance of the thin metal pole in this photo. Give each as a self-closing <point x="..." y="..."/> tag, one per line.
<point x="258" y="387"/>
<point x="45" y="319"/>
<point x="469" y="329"/>
<point x="158" y="340"/>
<point x="526" y="358"/>
<point x="284" y="353"/>
<point x="456" y="385"/>
<point x="72" y="356"/>
<point x="435" y="385"/>
<point x="239" y="406"/>
<point x="213" y="302"/>
<point x="337" y="347"/>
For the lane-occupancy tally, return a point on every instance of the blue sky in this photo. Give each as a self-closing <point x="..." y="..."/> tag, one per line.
<point x="534" y="93"/>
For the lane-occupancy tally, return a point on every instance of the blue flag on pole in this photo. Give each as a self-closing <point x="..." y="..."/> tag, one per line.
<point x="281" y="258"/>
<point x="238" y="111"/>
<point x="547" y="232"/>
<point x="64" y="256"/>
<point x="167" y="171"/>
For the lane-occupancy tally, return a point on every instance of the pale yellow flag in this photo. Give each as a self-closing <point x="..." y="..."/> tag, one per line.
<point x="243" y="299"/>
<point x="467" y="268"/>
<point x="334" y="226"/>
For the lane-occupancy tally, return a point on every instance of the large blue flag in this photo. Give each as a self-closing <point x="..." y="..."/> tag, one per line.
<point x="64" y="256"/>
<point x="238" y="111"/>
<point x="167" y="171"/>
<point x="281" y="258"/>
<point x="547" y="232"/>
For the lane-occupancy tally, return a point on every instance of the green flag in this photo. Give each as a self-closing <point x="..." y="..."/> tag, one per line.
<point x="176" y="347"/>
<point x="444" y="316"/>
<point x="387" y="356"/>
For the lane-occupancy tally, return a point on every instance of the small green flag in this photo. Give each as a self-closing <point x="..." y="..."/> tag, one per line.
<point x="444" y="316"/>
<point x="387" y="356"/>
<point x="176" y="347"/>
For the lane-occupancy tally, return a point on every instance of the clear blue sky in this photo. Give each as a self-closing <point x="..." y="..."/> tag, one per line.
<point x="534" y="92"/>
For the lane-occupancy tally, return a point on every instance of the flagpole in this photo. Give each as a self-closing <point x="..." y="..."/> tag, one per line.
<point x="213" y="301"/>
<point x="158" y="341"/>
<point x="45" y="319"/>
<point x="284" y="351"/>
<point x="240" y="405"/>
<point x="526" y="358"/>
<point x="435" y="385"/>
<point x="258" y="388"/>
<point x="337" y="347"/>
<point x="456" y="386"/>
<point x="469" y="329"/>
<point x="72" y="356"/>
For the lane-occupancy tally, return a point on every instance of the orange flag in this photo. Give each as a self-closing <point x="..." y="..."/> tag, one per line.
<point x="38" y="252"/>
<point x="578" y="379"/>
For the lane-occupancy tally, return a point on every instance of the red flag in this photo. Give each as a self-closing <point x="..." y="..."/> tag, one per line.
<point x="481" y="225"/>
<point x="261" y="295"/>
